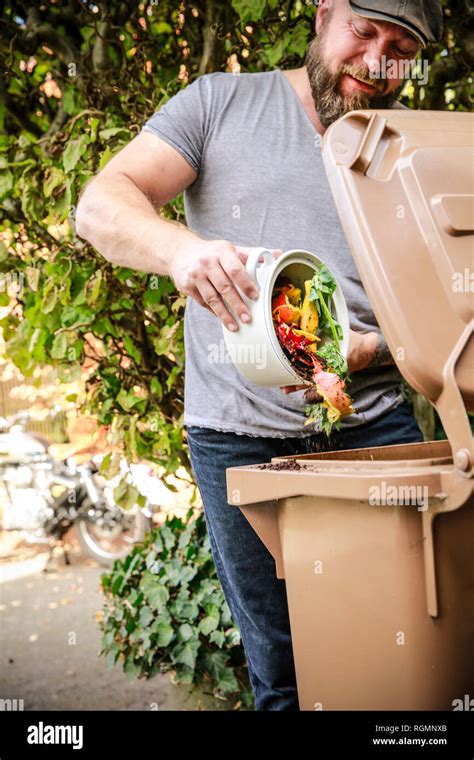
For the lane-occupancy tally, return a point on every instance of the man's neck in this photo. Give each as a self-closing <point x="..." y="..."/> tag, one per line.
<point x="299" y="80"/>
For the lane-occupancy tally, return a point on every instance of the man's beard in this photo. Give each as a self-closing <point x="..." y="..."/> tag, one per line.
<point x="330" y="103"/>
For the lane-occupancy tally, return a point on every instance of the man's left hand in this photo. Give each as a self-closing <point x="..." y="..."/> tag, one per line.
<point x="362" y="349"/>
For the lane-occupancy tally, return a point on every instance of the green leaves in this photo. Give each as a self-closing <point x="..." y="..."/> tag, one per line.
<point x="74" y="151"/>
<point x="96" y="288"/>
<point x="164" y="608"/>
<point x="184" y="610"/>
<point x="17" y="348"/>
<point x="323" y="282"/>
<point x="297" y="40"/>
<point x="249" y="10"/>
<point x="58" y="192"/>
<point x="131" y="668"/>
<point x="164" y="633"/>
<point x="30" y="201"/>
<point x="209" y="624"/>
<point x="145" y="617"/>
<point x="322" y="288"/>
<point x="334" y="359"/>
<point x="68" y="99"/>
<point x="162" y="27"/>
<point x="185" y="632"/>
<point x="32" y="277"/>
<point x="107" y="134"/>
<point x="215" y="662"/>
<point x="105" y="158"/>
<point x="128" y="401"/>
<point x="125" y="495"/>
<point x="318" y="414"/>
<point x="53" y="178"/>
<point x="274" y="53"/>
<point x="6" y="183"/>
<point x="59" y="347"/>
<point x="78" y="303"/>
<point x="226" y="681"/>
<point x="50" y="299"/>
<point x="156" y="594"/>
<point x="61" y="206"/>
<point x="218" y="638"/>
<point x="75" y="316"/>
<point x="186" y="654"/>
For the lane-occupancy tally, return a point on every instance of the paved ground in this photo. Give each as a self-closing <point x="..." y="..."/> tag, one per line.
<point x="41" y="616"/>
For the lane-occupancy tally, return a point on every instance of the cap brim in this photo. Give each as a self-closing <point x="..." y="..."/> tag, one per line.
<point x="386" y="17"/>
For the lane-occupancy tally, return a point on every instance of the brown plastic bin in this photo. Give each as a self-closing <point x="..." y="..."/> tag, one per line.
<point x="377" y="545"/>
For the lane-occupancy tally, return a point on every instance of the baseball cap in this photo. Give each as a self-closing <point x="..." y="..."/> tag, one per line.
<point x="423" y="18"/>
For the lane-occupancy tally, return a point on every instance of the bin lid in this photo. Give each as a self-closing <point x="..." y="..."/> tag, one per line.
<point x="403" y="185"/>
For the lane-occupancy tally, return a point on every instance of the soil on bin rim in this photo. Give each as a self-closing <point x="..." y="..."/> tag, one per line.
<point x="287" y="465"/>
<point x="341" y="466"/>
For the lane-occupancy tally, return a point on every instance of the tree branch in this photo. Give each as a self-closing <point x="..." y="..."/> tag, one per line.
<point x="36" y="32"/>
<point x="100" y="51"/>
<point x="213" y="19"/>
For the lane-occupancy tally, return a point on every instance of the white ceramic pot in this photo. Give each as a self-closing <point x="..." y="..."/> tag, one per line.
<point x="254" y="348"/>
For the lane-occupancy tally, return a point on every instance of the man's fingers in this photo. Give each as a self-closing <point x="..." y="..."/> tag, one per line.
<point x="293" y="388"/>
<point x="243" y="252"/>
<point x="229" y="274"/>
<point x="311" y="395"/>
<point x="221" y="285"/>
<point x="234" y="265"/>
<point x="195" y="294"/>
<point x="212" y="299"/>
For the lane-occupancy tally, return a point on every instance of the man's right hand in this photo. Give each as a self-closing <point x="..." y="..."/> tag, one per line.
<point x="209" y="270"/>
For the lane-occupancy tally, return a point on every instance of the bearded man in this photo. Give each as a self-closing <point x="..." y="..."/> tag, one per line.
<point x="246" y="151"/>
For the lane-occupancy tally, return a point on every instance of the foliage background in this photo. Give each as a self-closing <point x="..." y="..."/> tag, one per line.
<point x="78" y="81"/>
<point x="165" y="611"/>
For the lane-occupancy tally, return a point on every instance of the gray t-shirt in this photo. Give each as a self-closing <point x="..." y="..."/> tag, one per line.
<point x="261" y="182"/>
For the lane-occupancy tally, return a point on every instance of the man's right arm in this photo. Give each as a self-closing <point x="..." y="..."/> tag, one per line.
<point x="117" y="211"/>
<point x="117" y="214"/>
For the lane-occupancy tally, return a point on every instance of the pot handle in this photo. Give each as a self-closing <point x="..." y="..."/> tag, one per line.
<point x="253" y="262"/>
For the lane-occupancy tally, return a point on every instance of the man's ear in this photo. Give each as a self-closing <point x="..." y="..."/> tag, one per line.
<point x="324" y="7"/>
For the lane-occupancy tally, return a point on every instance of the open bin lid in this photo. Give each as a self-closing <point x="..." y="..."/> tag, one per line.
<point x="403" y="184"/>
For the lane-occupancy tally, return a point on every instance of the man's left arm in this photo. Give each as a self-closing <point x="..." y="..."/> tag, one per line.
<point x="368" y="350"/>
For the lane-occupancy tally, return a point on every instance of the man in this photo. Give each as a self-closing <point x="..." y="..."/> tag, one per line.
<point x="246" y="150"/>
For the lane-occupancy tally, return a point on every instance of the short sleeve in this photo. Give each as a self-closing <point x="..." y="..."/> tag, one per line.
<point x="181" y="122"/>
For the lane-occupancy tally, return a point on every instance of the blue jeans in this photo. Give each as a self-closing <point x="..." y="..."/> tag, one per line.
<point x="245" y="567"/>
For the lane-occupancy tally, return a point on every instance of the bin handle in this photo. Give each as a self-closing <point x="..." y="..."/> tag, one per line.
<point x="363" y="155"/>
<point x="253" y="262"/>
